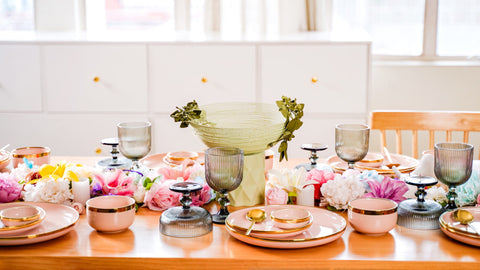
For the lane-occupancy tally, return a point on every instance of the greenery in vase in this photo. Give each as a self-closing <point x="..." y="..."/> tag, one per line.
<point x="293" y="112"/>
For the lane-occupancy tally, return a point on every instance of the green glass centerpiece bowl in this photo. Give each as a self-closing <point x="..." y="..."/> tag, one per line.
<point x="250" y="127"/>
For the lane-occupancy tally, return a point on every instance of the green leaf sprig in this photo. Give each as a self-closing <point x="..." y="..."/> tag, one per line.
<point x="186" y="114"/>
<point x="292" y="111"/>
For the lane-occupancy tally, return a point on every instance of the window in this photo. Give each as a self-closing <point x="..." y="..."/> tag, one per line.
<point x="16" y="15"/>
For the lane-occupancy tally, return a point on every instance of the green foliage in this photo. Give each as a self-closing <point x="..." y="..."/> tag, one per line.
<point x="293" y="112"/>
<point x="186" y="114"/>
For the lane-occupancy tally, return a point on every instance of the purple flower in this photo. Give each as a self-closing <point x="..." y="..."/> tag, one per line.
<point x="10" y="189"/>
<point x="389" y="189"/>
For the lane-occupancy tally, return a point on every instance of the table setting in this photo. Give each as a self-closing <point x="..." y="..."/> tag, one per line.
<point x="229" y="192"/>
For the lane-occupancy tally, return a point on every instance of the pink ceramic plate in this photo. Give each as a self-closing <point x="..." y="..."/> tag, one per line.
<point x="59" y="220"/>
<point x="267" y="229"/>
<point x="18" y="230"/>
<point x="159" y="160"/>
<point x="326" y="227"/>
<point x="407" y="164"/>
<point x="460" y="232"/>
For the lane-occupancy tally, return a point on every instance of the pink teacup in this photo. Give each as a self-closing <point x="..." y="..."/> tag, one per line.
<point x="36" y="154"/>
<point x="110" y="213"/>
<point x="290" y="218"/>
<point x="372" y="215"/>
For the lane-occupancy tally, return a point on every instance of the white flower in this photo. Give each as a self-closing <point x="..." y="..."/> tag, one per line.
<point x="139" y="194"/>
<point x="22" y="171"/>
<point x="437" y="194"/>
<point x="49" y="190"/>
<point x="290" y="180"/>
<point x="339" y="192"/>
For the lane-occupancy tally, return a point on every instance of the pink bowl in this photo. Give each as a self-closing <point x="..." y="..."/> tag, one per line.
<point x="372" y="215"/>
<point x="290" y="218"/>
<point x="110" y="213"/>
<point x="36" y="154"/>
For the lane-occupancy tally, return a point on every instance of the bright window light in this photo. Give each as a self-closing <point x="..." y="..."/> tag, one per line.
<point x="16" y="15"/>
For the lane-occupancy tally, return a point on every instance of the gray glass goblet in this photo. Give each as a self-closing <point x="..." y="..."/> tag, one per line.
<point x="134" y="140"/>
<point x="453" y="166"/>
<point x="351" y="142"/>
<point x="223" y="173"/>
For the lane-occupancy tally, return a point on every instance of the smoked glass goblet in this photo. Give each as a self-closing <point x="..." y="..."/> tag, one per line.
<point x="453" y="166"/>
<point x="223" y="173"/>
<point x="351" y="142"/>
<point x="134" y="140"/>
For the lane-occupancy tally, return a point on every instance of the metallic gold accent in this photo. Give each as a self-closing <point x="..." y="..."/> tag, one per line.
<point x="204" y="79"/>
<point x="373" y="212"/>
<point x="46" y="153"/>
<point x="111" y="210"/>
<point x="456" y="230"/>
<point x="314" y="79"/>
<point x="238" y="228"/>
<point x="227" y="226"/>
<point x="291" y="221"/>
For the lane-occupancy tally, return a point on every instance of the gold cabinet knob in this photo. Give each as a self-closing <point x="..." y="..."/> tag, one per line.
<point x="96" y="79"/>
<point x="204" y="79"/>
<point x="314" y="79"/>
<point x="98" y="151"/>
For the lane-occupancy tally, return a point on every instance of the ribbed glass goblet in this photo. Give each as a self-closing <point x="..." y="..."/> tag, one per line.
<point x="134" y="140"/>
<point x="223" y="173"/>
<point x="453" y="166"/>
<point x="351" y="142"/>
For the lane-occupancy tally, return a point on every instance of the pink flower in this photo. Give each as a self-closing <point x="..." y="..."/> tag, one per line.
<point x="276" y="195"/>
<point x="160" y="197"/>
<point x="478" y="200"/>
<point x="182" y="171"/>
<point x="389" y="189"/>
<point x="113" y="183"/>
<point x="202" y="197"/>
<point x="321" y="177"/>
<point x="10" y="189"/>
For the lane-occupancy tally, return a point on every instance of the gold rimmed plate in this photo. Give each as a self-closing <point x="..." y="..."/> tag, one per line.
<point x="407" y="164"/>
<point x="59" y="220"/>
<point x="16" y="230"/>
<point x="460" y="232"/>
<point x="326" y="227"/>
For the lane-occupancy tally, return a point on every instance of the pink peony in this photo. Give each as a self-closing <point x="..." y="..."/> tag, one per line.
<point x="389" y="189"/>
<point x="182" y="171"/>
<point x="160" y="197"/>
<point x="202" y="197"/>
<point x="321" y="177"/>
<point x="276" y="195"/>
<point x="10" y="189"/>
<point x="113" y="183"/>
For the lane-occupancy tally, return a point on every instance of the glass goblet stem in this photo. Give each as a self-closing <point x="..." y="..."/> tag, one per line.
<point x="451" y="196"/>
<point x="224" y="202"/>
<point x="351" y="164"/>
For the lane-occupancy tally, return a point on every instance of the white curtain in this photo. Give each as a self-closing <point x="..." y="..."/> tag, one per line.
<point x="257" y="16"/>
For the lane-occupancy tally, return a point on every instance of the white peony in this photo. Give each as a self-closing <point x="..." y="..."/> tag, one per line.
<point x="341" y="190"/>
<point x="49" y="190"/>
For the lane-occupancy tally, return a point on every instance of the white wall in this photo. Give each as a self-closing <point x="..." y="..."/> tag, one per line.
<point x="421" y="86"/>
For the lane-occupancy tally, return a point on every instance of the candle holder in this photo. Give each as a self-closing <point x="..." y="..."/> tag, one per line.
<point x="115" y="162"/>
<point x="313" y="148"/>
<point x="420" y="213"/>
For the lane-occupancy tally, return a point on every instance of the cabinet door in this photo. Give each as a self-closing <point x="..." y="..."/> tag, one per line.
<point x="328" y="78"/>
<point x="96" y="78"/>
<point x="20" y="87"/>
<point x="205" y="73"/>
<point x="65" y="134"/>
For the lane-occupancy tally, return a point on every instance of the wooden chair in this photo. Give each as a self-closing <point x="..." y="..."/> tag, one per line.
<point x="431" y="121"/>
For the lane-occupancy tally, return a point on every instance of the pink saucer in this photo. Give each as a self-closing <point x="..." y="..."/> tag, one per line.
<point x="326" y="227"/>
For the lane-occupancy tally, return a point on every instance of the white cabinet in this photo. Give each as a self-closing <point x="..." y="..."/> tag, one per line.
<point x="20" y="82"/>
<point x="328" y="78"/>
<point x="207" y="73"/>
<point x="95" y="78"/>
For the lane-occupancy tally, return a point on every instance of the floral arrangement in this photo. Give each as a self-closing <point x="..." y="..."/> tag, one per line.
<point x="53" y="183"/>
<point x="287" y="186"/>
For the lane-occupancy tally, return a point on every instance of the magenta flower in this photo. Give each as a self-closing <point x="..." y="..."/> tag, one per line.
<point x="389" y="189"/>
<point x="10" y="189"/>
<point x="321" y="177"/>
<point x="202" y="197"/>
<point x="113" y="183"/>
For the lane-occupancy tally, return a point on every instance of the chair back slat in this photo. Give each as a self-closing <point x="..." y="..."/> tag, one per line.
<point x="431" y="121"/>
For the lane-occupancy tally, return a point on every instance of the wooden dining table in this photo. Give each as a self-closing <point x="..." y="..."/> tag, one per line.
<point x="142" y="246"/>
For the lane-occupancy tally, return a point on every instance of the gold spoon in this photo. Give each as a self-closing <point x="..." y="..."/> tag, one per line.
<point x="465" y="218"/>
<point x="255" y="215"/>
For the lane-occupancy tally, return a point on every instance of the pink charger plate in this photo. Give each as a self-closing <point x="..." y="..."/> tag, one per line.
<point x="59" y="220"/>
<point x="460" y="232"/>
<point x="326" y="227"/>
